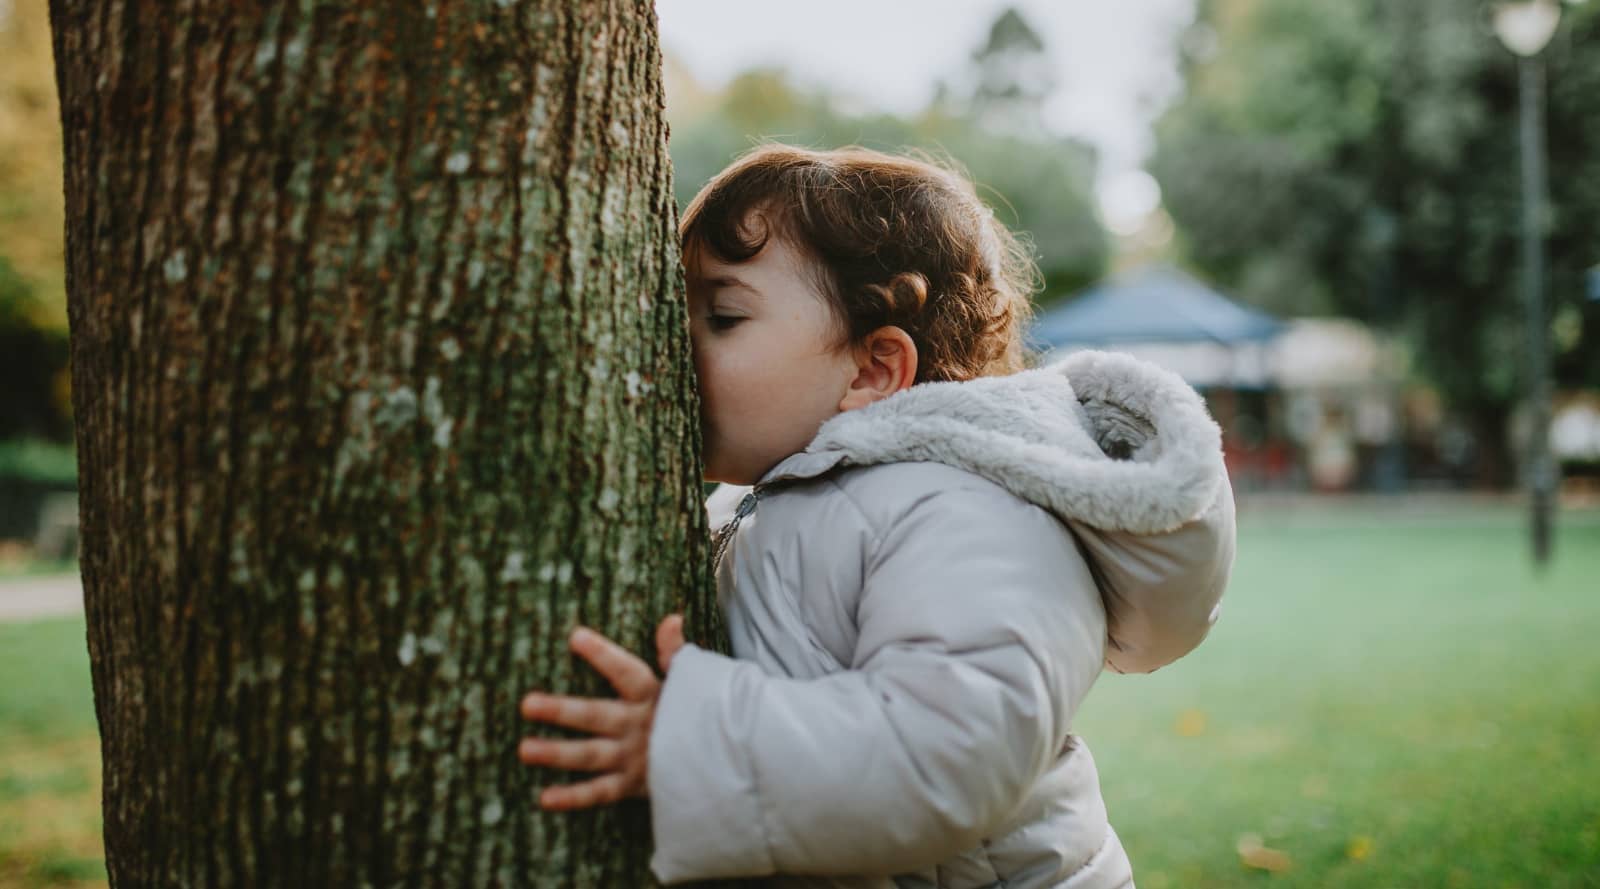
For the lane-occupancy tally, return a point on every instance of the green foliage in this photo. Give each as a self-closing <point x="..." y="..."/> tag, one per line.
<point x="1362" y="158"/>
<point x="33" y="362"/>
<point x="33" y="336"/>
<point x="31" y="209"/>
<point x="38" y="461"/>
<point x="1038" y="184"/>
<point x="67" y="870"/>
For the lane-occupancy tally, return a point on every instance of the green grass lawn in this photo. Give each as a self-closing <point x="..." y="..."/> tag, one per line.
<point x="1390" y="700"/>
<point x="49" y="758"/>
<point x="1386" y="701"/>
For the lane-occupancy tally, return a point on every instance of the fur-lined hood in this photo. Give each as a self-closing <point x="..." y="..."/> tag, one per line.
<point x="1098" y="438"/>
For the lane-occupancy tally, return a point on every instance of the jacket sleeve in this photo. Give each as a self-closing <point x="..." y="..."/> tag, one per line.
<point x="969" y="663"/>
<point x="1163" y="591"/>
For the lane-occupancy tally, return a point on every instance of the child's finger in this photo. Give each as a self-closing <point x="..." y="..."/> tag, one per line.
<point x="594" y="715"/>
<point x="596" y="792"/>
<point x="588" y="755"/>
<point x="669" y="638"/>
<point x="630" y="676"/>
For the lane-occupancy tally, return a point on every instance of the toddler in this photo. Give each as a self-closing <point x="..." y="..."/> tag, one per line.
<point x="937" y="553"/>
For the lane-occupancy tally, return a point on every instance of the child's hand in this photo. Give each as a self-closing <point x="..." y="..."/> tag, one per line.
<point x="621" y="749"/>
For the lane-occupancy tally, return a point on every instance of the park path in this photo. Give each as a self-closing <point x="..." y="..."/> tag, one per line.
<point x="31" y="598"/>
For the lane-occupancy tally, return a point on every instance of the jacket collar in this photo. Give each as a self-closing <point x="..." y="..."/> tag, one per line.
<point x="805" y="465"/>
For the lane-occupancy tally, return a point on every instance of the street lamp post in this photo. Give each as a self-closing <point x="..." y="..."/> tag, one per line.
<point x="1526" y="28"/>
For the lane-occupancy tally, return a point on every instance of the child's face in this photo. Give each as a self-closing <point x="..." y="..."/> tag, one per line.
<point x="764" y="352"/>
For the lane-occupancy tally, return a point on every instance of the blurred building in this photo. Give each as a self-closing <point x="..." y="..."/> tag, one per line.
<point x="1164" y="316"/>
<point x="1575" y="442"/>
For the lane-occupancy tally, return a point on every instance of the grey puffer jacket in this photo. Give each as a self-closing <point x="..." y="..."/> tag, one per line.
<point x="919" y="603"/>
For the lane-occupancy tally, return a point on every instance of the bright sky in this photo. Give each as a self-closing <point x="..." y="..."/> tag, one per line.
<point x="1116" y="67"/>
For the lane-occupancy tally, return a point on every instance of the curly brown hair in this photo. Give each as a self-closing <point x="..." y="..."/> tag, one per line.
<point x="895" y="240"/>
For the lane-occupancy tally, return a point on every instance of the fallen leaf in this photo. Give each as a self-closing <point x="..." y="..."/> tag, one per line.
<point x="1360" y="847"/>
<point x="1254" y="853"/>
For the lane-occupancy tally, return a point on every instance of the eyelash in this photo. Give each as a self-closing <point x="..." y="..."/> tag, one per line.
<point x="723" y="322"/>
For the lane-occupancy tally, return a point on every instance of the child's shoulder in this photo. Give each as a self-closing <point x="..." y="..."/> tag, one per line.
<point x="910" y="479"/>
<point x="887" y="493"/>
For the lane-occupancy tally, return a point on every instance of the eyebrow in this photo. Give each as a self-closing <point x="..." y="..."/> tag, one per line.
<point x="722" y="281"/>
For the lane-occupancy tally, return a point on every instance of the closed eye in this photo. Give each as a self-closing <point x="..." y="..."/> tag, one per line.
<point x="724" y="322"/>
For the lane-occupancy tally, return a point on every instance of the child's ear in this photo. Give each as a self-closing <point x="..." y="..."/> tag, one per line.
<point x="886" y="362"/>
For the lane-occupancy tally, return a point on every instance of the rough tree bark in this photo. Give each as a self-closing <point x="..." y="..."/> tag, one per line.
<point x="381" y="382"/>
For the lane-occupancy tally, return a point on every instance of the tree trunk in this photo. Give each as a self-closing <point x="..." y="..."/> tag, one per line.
<point x="381" y="384"/>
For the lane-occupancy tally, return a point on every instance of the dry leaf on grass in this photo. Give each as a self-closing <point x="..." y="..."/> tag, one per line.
<point x="1191" y="723"/>
<point x="1359" y="848"/>
<point x="1254" y="853"/>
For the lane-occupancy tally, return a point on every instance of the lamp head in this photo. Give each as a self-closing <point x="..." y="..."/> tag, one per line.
<point x="1525" y="27"/>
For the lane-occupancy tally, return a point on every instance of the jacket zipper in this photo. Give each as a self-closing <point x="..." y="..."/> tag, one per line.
<point x="724" y="535"/>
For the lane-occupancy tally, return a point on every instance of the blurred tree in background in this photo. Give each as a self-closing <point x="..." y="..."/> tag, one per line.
<point x="1359" y="157"/>
<point x="1013" y="76"/>
<point x="33" y="319"/>
<point x="1037" y="182"/>
<point x="33" y="364"/>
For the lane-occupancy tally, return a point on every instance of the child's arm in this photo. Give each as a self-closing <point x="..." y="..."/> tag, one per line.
<point x="977" y="640"/>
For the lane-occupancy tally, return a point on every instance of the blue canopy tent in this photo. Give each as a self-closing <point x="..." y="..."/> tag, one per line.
<point x="1156" y="304"/>
<point x="1165" y="316"/>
